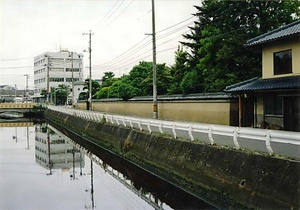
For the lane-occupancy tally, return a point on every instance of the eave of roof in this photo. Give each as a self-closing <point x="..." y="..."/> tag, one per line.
<point x="256" y="84"/>
<point x="291" y="29"/>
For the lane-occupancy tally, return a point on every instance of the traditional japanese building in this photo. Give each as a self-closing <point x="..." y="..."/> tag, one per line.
<point x="273" y="101"/>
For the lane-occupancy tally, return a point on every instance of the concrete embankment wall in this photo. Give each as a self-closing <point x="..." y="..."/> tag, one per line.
<point x="226" y="177"/>
<point x="212" y="109"/>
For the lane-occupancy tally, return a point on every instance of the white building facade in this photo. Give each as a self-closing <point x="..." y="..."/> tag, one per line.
<point x="52" y="69"/>
<point x="78" y="88"/>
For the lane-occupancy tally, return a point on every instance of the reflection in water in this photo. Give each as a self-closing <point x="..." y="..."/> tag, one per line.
<point x="146" y="196"/>
<point x="48" y="170"/>
<point x="76" y="182"/>
<point x="52" y="151"/>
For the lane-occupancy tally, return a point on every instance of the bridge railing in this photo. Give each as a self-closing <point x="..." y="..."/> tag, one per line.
<point x="262" y="140"/>
<point x="16" y="105"/>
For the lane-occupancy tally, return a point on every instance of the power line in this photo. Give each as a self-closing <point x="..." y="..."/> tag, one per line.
<point x="124" y="56"/>
<point x="132" y="50"/>
<point x="16" y="59"/>
<point x="133" y="57"/>
<point x="132" y="62"/>
<point x="127" y="51"/>
<point x="106" y="18"/>
<point x="176" y="24"/>
<point x="16" y="67"/>
<point x="11" y="75"/>
<point x="160" y="37"/>
<point x="118" y="15"/>
<point x="139" y="58"/>
<point x="108" y="15"/>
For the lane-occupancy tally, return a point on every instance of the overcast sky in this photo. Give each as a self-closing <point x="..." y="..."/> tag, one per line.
<point x="32" y="27"/>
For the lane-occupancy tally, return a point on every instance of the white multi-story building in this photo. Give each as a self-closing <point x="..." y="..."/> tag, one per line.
<point x="54" y="68"/>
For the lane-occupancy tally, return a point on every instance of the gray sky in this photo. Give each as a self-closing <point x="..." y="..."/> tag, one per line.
<point x="31" y="27"/>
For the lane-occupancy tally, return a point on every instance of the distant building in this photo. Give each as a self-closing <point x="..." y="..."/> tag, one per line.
<point x="6" y="87"/>
<point x="9" y="94"/>
<point x="272" y="101"/>
<point x="54" y="68"/>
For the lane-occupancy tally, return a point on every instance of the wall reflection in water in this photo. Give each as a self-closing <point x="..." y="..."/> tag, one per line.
<point x="42" y="169"/>
<point x="65" y="153"/>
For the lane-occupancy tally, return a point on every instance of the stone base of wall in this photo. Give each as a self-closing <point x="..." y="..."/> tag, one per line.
<point x="226" y="177"/>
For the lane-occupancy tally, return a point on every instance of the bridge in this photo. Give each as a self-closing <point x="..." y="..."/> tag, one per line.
<point x="16" y="107"/>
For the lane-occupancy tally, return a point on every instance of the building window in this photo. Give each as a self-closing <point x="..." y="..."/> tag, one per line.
<point x="282" y="62"/>
<point x="56" y="79"/>
<point x="74" y="69"/>
<point x="57" y="69"/>
<point x="274" y="105"/>
<point x="70" y="79"/>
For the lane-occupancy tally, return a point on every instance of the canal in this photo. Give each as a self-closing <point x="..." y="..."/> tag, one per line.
<point x="41" y="168"/>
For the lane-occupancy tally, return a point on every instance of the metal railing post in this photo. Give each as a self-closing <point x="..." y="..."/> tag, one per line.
<point x="210" y="135"/>
<point x="235" y="141"/>
<point x="268" y="143"/>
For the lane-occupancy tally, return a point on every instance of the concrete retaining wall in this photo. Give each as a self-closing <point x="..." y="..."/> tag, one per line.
<point x="226" y="177"/>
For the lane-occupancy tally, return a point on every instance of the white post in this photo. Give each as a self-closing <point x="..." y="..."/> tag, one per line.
<point x="268" y="143"/>
<point x="235" y="141"/>
<point x="190" y="133"/>
<point x="210" y="135"/>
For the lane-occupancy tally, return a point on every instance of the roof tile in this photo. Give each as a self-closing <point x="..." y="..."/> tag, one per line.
<point x="256" y="84"/>
<point x="285" y="31"/>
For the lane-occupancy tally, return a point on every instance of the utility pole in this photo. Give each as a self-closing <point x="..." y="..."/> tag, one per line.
<point x="26" y="92"/>
<point x="90" y="79"/>
<point x="48" y="69"/>
<point x="72" y="80"/>
<point x="15" y="92"/>
<point x="155" y="108"/>
<point x="92" y="185"/>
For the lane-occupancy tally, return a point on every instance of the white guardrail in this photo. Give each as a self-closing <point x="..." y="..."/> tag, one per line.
<point x="270" y="141"/>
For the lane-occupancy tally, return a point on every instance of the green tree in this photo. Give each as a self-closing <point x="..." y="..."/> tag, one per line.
<point x="95" y="87"/>
<point x="141" y="77"/>
<point x="83" y="96"/>
<point x="127" y="91"/>
<point x="178" y="70"/>
<point x="222" y="28"/>
<point x="102" y="93"/>
<point x="189" y="83"/>
<point x="44" y="93"/>
<point x="138" y="74"/>
<point x="108" y="79"/>
<point x="107" y="76"/>
<point x="139" y="82"/>
<point x="113" y="91"/>
<point x="61" y="94"/>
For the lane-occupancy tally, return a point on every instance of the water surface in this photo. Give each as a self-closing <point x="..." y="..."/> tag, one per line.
<point x="70" y="180"/>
